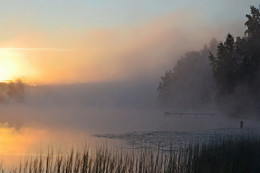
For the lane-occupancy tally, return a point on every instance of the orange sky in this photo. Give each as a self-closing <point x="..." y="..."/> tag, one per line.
<point x="100" y="54"/>
<point x="51" y="47"/>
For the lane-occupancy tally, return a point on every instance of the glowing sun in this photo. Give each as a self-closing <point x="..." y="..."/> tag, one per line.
<point x="12" y="65"/>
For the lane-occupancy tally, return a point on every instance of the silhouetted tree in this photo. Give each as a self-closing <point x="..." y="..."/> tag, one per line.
<point x="11" y="91"/>
<point x="236" y="69"/>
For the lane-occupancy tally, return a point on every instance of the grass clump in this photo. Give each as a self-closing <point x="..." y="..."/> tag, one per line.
<point x="235" y="154"/>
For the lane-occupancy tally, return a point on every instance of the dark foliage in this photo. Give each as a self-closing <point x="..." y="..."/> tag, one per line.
<point x="236" y="70"/>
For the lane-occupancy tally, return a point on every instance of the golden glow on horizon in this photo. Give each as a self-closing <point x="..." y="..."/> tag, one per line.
<point x="96" y="55"/>
<point x="8" y="67"/>
<point x="13" y="65"/>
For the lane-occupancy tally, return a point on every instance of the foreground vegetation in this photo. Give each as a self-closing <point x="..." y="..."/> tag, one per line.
<point x="233" y="154"/>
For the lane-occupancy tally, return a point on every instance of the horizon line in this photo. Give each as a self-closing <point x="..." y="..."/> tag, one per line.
<point x="35" y="49"/>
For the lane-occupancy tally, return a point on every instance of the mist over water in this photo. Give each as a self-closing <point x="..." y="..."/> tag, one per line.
<point x="69" y="115"/>
<point x="102" y="108"/>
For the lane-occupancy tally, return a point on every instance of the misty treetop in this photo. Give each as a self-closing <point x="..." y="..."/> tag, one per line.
<point x="236" y="70"/>
<point x="226" y="74"/>
<point x="237" y="61"/>
<point x="189" y="85"/>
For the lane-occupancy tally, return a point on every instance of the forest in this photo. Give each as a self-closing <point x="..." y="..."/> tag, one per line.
<point x="223" y="76"/>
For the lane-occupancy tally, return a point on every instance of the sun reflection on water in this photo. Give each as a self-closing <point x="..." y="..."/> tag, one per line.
<point x="15" y="141"/>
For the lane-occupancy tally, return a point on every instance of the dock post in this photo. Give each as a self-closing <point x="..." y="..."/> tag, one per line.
<point x="241" y="124"/>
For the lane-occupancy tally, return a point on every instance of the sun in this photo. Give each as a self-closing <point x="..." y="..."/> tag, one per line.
<point x="11" y="66"/>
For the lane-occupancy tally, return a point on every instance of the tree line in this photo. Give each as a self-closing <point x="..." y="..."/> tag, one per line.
<point x="224" y="75"/>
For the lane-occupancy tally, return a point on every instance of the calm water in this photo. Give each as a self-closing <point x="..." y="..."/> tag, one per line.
<point x="175" y="139"/>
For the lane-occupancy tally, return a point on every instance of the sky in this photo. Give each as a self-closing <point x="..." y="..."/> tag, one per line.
<point x="83" y="41"/>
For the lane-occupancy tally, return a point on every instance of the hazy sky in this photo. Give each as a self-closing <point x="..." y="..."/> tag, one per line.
<point x="65" y="41"/>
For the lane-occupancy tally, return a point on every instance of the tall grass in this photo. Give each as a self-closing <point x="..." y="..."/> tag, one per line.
<point x="234" y="154"/>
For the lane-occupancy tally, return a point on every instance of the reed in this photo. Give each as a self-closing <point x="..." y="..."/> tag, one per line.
<point x="228" y="154"/>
